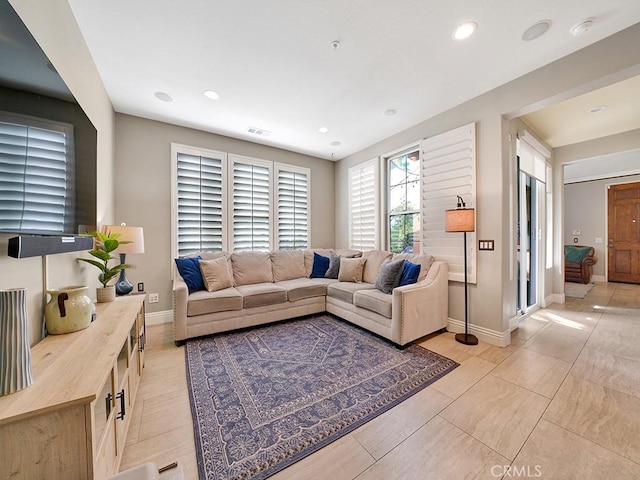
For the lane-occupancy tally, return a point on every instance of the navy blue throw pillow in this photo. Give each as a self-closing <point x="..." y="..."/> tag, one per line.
<point x="410" y="273"/>
<point x="320" y="266"/>
<point x="189" y="269"/>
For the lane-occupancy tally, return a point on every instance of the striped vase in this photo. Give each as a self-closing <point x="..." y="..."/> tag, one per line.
<point x="15" y="353"/>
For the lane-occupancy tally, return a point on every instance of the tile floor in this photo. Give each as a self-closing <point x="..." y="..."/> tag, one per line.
<point x="561" y="402"/>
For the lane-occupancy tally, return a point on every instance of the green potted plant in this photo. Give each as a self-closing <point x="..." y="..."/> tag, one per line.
<point x="104" y="245"/>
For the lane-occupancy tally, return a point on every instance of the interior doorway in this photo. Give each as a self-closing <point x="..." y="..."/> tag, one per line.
<point x="623" y="228"/>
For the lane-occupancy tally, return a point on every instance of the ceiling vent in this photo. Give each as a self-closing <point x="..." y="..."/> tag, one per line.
<point x="258" y="131"/>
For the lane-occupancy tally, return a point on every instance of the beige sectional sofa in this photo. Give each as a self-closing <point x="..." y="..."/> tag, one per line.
<point x="272" y="286"/>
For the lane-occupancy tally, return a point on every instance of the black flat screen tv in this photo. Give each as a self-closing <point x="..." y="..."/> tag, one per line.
<point x="47" y="144"/>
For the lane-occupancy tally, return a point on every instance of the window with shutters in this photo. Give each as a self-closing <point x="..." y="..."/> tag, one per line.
<point x="251" y="194"/>
<point x="403" y="214"/>
<point x="226" y="202"/>
<point x="363" y="206"/>
<point x="449" y="170"/>
<point x="292" y="207"/>
<point x="36" y="175"/>
<point x="200" y="206"/>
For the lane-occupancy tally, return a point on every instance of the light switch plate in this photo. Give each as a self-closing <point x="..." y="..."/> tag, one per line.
<point x="486" y="245"/>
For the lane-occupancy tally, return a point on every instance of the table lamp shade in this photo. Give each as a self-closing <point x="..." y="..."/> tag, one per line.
<point x="134" y="235"/>
<point x="459" y="220"/>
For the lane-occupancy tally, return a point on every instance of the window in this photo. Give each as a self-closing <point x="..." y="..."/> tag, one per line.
<point x="404" y="202"/>
<point x="251" y="191"/>
<point x="448" y="170"/>
<point x="363" y="206"/>
<point x="225" y="202"/>
<point x="292" y="207"/>
<point x="36" y="175"/>
<point x="199" y="203"/>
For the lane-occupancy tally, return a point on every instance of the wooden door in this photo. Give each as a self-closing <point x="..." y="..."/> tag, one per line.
<point x="624" y="233"/>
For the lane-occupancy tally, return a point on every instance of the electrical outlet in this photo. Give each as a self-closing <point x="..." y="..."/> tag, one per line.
<point x="154" y="298"/>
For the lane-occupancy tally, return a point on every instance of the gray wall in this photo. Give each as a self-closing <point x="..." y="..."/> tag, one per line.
<point x="492" y="299"/>
<point x="143" y="184"/>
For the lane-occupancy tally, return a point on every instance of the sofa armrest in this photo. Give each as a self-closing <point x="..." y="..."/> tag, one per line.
<point x="589" y="261"/>
<point x="421" y="308"/>
<point x="180" y="299"/>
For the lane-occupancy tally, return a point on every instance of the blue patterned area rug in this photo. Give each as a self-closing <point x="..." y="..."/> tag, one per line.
<point x="264" y="398"/>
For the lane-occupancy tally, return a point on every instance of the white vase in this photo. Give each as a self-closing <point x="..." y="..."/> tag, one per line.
<point x="15" y="352"/>
<point x="68" y="310"/>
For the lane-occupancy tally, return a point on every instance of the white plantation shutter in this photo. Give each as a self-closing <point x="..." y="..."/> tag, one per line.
<point x="36" y="171"/>
<point x="292" y="207"/>
<point x="363" y="206"/>
<point x="448" y="170"/>
<point x="200" y="206"/>
<point x="251" y="195"/>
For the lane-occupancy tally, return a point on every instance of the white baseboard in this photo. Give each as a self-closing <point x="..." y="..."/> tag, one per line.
<point x="598" y="278"/>
<point x="156" y="318"/>
<point x="492" y="337"/>
<point x="553" y="298"/>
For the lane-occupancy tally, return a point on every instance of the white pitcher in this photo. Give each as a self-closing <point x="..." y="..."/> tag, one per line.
<point x="68" y="310"/>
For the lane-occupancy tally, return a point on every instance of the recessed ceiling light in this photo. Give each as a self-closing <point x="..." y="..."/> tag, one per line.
<point x="536" y="30"/>
<point x="335" y="144"/>
<point x="335" y="44"/>
<point x="323" y="130"/>
<point x="579" y="28"/>
<point x="465" y="30"/>
<point x="211" y="95"/>
<point x="163" y="96"/>
<point x="390" y="113"/>
<point x="597" y="109"/>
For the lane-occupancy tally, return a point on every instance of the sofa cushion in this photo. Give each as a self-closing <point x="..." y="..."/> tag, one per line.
<point x="374" y="262"/>
<point x="389" y="277"/>
<point x="287" y="264"/>
<point x="189" y="269"/>
<point x="320" y="266"/>
<point x="308" y="255"/>
<point x="351" y="269"/>
<point x="203" y="302"/>
<point x="423" y="259"/>
<point x="410" y="273"/>
<point x="251" y="267"/>
<point x="215" y="274"/>
<point x="344" y="290"/>
<point x="375" y="301"/>
<point x="259" y="294"/>
<point x="300" y="288"/>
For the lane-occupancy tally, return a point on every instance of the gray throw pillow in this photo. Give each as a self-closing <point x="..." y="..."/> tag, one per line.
<point x="334" y="266"/>
<point x="389" y="276"/>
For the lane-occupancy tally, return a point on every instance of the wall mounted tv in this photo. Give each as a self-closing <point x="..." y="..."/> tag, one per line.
<point x="47" y="143"/>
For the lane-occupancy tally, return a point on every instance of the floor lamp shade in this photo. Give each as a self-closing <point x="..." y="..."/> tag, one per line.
<point x="134" y="236"/>
<point x="462" y="220"/>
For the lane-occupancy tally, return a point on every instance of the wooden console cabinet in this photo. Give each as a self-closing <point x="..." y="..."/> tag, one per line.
<point x="72" y="422"/>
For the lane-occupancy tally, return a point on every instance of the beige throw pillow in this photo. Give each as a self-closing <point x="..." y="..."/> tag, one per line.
<point x="351" y="269"/>
<point x="215" y="274"/>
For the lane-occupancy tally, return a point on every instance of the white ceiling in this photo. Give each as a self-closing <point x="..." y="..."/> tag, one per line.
<point x="275" y="69"/>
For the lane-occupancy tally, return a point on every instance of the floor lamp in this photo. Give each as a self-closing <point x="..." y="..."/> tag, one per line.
<point x="134" y="237"/>
<point x="462" y="219"/>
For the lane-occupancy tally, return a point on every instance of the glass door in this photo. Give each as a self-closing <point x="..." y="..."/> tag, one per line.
<point x="529" y="235"/>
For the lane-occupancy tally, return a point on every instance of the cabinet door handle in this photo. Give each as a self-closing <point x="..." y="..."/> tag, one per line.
<point x="122" y="413"/>
<point x="108" y="400"/>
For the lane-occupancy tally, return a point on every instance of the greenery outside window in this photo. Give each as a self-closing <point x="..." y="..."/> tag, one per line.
<point x="404" y="202"/>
